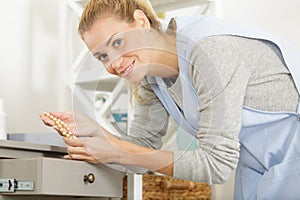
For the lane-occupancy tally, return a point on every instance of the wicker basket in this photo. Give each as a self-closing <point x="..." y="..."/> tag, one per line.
<point x="158" y="187"/>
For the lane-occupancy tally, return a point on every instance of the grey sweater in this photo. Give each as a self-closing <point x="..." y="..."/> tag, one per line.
<point x="228" y="72"/>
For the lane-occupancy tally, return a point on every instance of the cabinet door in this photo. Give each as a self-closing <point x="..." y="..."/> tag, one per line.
<point x="63" y="177"/>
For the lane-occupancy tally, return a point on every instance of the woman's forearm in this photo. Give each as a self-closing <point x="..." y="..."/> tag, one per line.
<point x="155" y="160"/>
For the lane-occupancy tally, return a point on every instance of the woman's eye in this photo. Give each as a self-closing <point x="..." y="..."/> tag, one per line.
<point x="117" y="43"/>
<point x="103" y="57"/>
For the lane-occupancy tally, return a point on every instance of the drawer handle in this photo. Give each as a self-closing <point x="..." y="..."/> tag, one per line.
<point x="90" y="178"/>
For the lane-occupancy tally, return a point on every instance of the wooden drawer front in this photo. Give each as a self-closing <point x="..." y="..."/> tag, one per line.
<point x="63" y="177"/>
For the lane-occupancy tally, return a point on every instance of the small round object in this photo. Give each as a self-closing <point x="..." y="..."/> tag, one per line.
<point x="63" y="128"/>
<point x="64" y="133"/>
<point x="47" y="114"/>
<point x="69" y="132"/>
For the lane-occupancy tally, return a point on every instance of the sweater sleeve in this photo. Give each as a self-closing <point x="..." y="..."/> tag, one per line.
<point x="220" y="79"/>
<point x="150" y="120"/>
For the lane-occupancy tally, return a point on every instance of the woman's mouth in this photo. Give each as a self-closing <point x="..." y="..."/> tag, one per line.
<point x="125" y="73"/>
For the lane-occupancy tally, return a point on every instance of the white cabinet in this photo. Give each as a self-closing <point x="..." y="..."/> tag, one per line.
<point x="48" y="176"/>
<point x="53" y="176"/>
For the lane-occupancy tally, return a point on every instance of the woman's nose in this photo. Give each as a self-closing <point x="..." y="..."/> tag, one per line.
<point x="116" y="64"/>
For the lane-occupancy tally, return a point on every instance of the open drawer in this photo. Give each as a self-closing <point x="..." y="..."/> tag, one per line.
<point x="59" y="177"/>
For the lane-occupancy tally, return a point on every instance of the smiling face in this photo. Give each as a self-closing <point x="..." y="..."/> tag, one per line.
<point x="121" y="46"/>
<point x="131" y="50"/>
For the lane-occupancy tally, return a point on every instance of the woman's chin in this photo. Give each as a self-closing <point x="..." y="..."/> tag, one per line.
<point x="137" y="75"/>
<point x="135" y="79"/>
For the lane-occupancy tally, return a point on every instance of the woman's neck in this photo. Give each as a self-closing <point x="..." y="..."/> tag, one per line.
<point x="166" y="60"/>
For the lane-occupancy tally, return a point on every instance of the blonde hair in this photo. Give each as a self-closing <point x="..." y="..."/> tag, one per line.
<point x="122" y="9"/>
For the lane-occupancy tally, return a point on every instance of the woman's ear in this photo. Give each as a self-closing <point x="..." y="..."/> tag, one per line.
<point x="141" y="19"/>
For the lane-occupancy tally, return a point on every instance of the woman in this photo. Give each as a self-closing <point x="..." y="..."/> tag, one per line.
<point x="236" y="91"/>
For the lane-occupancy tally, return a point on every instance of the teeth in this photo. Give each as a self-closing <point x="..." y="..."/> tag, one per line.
<point x="125" y="73"/>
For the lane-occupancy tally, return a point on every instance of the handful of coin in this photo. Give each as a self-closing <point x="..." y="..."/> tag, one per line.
<point x="63" y="129"/>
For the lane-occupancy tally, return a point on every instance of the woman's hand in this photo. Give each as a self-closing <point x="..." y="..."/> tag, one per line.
<point x="90" y="142"/>
<point x="77" y="151"/>
<point x="64" y="117"/>
<point x="93" y="149"/>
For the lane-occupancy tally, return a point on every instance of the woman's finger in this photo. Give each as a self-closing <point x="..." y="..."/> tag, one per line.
<point x="46" y="120"/>
<point x="77" y="150"/>
<point x="73" y="141"/>
<point x="68" y="157"/>
<point x="81" y="157"/>
<point x="67" y="115"/>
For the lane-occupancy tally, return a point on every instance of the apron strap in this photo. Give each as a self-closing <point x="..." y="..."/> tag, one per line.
<point x="160" y="89"/>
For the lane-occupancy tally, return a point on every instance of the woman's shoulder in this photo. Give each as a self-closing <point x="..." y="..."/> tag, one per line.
<point x="221" y="51"/>
<point x="219" y="58"/>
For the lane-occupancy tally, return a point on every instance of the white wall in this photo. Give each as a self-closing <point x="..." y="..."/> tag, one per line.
<point x="30" y="75"/>
<point x="281" y="18"/>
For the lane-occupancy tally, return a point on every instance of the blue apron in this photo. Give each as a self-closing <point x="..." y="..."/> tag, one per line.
<point x="269" y="163"/>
